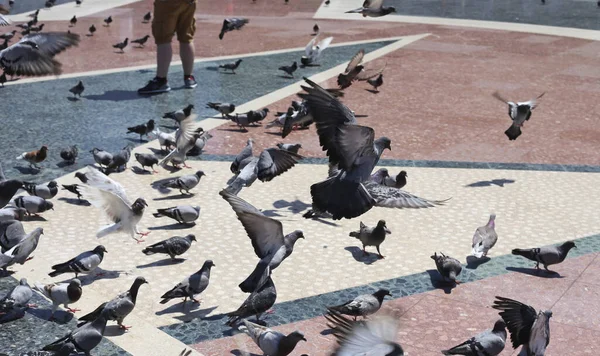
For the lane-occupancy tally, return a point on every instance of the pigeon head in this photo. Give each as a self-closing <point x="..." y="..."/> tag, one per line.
<point x="250" y="141"/>
<point x="23" y="282"/>
<point x="140" y="280"/>
<point x="390" y="9"/>
<point x="199" y="174"/>
<point x="49" y="205"/>
<point x="297" y="336"/>
<point x="208" y="264"/>
<point x="266" y="110"/>
<point x="383" y="143"/>
<point x="383" y="172"/>
<point x="435" y="257"/>
<point x="231" y="107"/>
<point x="403" y="174"/>
<point x="381" y="225"/>
<point x="100" y="249"/>
<point x="500" y="325"/>
<point x="139" y="205"/>
<point x="44" y="148"/>
<point x="546" y="313"/>
<point x="380" y="294"/>
<point x="75" y="282"/>
<point x="290" y="111"/>
<point x="237" y="63"/>
<point x="568" y="245"/>
<point x="294" y="236"/>
<point x="191" y="237"/>
<point x="305" y="60"/>
<point x="52" y="184"/>
<point x="94" y="150"/>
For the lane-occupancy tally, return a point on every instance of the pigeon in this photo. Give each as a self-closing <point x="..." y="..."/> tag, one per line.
<point x="4" y="21"/>
<point x="50" y="3"/>
<point x="490" y="342"/>
<point x="16" y="298"/>
<point x="34" y="54"/>
<point x="147" y="17"/>
<point x="183" y="214"/>
<point x="266" y="234"/>
<point x="118" y="308"/>
<point x="363" y="305"/>
<point x="357" y="71"/>
<point x="485" y="238"/>
<point x="368" y="337"/>
<point x="399" y="181"/>
<point x="141" y="41"/>
<point x="147" y="160"/>
<point x="223" y="108"/>
<point x="33" y="204"/>
<point x="82" y="177"/>
<point x="373" y="8"/>
<point x="258" y="302"/>
<point x="8" y="188"/>
<point x="108" y="21"/>
<point x="244" y="154"/>
<point x="122" y="45"/>
<point x="34" y="157"/>
<point x="281" y="118"/>
<point x="73" y="188"/>
<point x="372" y="236"/>
<point x="519" y="113"/>
<point x="290" y="147"/>
<point x="103" y="158"/>
<point x="164" y="139"/>
<point x="92" y="29"/>
<point x="289" y="70"/>
<point x="186" y="182"/>
<point x="61" y="293"/>
<point x="231" y="24"/>
<point x="301" y="118"/>
<point x="69" y="154"/>
<point x="353" y="147"/>
<point x="20" y="253"/>
<point x="143" y="129"/>
<point x="246" y="119"/>
<point x="185" y="139"/>
<point x="84" y="263"/>
<point x="316" y="29"/>
<point x="314" y="50"/>
<point x="547" y="255"/>
<point x="7" y="214"/>
<point x="390" y="197"/>
<point x="73" y="21"/>
<point x="35" y="29"/>
<point x="448" y="267"/>
<point x="180" y="114"/>
<point x="272" y="342"/>
<point x="173" y="246"/>
<point x="231" y="66"/>
<point x="34" y="14"/>
<point x="198" y="148"/>
<point x="78" y="2"/>
<point x="526" y="326"/>
<point x="2" y="78"/>
<point x="11" y="234"/>
<point x="110" y="196"/>
<point x="376" y="82"/>
<point x="8" y="35"/>
<point x="190" y="286"/>
<point x="45" y="191"/>
<point x="85" y="337"/>
<point x="78" y="89"/>
<point x="120" y="159"/>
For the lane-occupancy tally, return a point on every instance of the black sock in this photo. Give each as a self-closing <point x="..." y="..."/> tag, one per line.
<point x="161" y="80"/>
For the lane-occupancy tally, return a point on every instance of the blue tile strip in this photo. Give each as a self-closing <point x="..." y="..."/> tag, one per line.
<point x="213" y="327"/>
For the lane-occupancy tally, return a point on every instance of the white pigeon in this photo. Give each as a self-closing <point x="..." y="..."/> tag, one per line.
<point x="314" y="50"/>
<point x="110" y="196"/>
<point x="185" y="139"/>
<point x="165" y="139"/>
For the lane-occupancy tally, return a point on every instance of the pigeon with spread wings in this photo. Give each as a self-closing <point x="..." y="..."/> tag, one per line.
<point x="110" y="196"/>
<point x="519" y="113"/>
<point x="356" y="71"/>
<point x="314" y="50"/>
<point x="185" y="139"/>
<point x="373" y="8"/>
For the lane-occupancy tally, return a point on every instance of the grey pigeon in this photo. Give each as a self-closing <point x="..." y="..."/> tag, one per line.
<point x="120" y="159"/>
<point x="69" y="154"/>
<point x="290" y="147"/>
<point x="487" y="343"/>
<point x="223" y="108"/>
<point x="85" y="338"/>
<point x="119" y="307"/>
<point x="183" y="214"/>
<point x="61" y="293"/>
<point x="11" y="233"/>
<point x="85" y="263"/>
<point x="45" y="191"/>
<point x="186" y="182"/>
<point x="231" y="24"/>
<point x="376" y="82"/>
<point x="526" y="326"/>
<point x="142" y="129"/>
<point x="379" y="176"/>
<point x="103" y="158"/>
<point x="185" y="139"/>
<point x="363" y="305"/>
<point x="368" y="337"/>
<point x="373" y="8"/>
<point x="372" y="236"/>
<point x="351" y="146"/>
<point x="173" y="246"/>
<point x="122" y="45"/>
<point x="231" y="66"/>
<point x="246" y="119"/>
<point x="8" y="188"/>
<point x="21" y="252"/>
<point x="34" y="54"/>
<point x="390" y="197"/>
<point x="485" y="238"/>
<point x="289" y="70"/>
<point x="266" y="234"/>
<point x="281" y="118"/>
<point x="245" y="153"/>
<point x="147" y="160"/>
<point x="355" y="70"/>
<point x="191" y="286"/>
<point x="141" y="41"/>
<point x="179" y="115"/>
<point x="519" y="113"/>
<point x="78" y="89"/>
<point x="546" y="255"/>
<point x="448" y="267"/>
<point x="33" y="204"/>
<point x="18" y="297"/>
<point x="272" y="342"/>
<point x="397" y="181"/>
<point x="7" y="214"/>
<point x="258" y="302"/>
<point x="198" y="148"/>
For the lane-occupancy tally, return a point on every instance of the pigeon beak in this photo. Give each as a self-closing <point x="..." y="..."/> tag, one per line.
<point x="387" y="230"/>
<point x="304" y="338"/>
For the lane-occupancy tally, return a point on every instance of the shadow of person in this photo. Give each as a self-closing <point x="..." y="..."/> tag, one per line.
<point x="117" y="95"/>
<point x="535" y="272"/>
<point x="438" y="282"/>
<point x="359" y="255"/>
<point x="474" y="262"/>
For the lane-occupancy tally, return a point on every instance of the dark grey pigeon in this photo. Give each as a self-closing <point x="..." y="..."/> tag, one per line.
<point x="191" y="286"/>
<point x="8" y="188"/>
<point x="490" y="342"/>
<point x="363" y="305"/>
<point x="266" y="234"/>
<point x="119" y="307"/>
<point x="120" y="159"/>
<point x="78" y="89"/>
<point x="186" y="182"/>
<point x="173" y="246"/>
<point x="69" y="154"/>
<point x="184" y="214"/>
<point x="16" y="298"/>
<point x="371" y="236"/>
<point x="272" y="342"/>
<point x="147" y="160"/>
<point x="376" y="82"/>
<point x="143" y="129"/>
<point x="245" y="153"/>
<point x="448" y="267"/>
<point x="397" y="181"/>
<point x="273" y="162"/>
<point x="85" y="263"/>
<point x="485" y="238"/>
<point x="85" y="338"/>
<point x="231" y="66"/>
<point x="73" y="188"/>
<point x="290" y="147"/>
<point x="518" y="113"/>
<point x="33" y="204"/>
<point x="379" y="176"/>
<point x="141" y="41"/>
<point x="289" y="70"/>
<point x="547" y="255"/>
<point x="45" y="191"/>
<point x="526" y="326"/>
<point x="231" y="24"/>
<point x="11" y="233"/>
<point x="7" y="214"/>
<point x="22" y="251"/>
<point x="179" y="115"/>
<point x="101" y="157"/>
<point x="373" y="8"/>
<point x="258" y="302"/>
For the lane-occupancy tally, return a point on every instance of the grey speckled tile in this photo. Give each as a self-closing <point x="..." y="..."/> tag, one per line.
<point x="21" y="6"/>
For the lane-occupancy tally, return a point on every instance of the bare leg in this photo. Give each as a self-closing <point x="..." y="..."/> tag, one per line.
<point x="164" y="54"/>
<point x="186" y="52"/>
<point x="380" y="255"/>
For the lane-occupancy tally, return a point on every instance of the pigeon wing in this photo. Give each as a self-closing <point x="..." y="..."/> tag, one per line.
<point x="367" y="74"/>
<point x="113" y="205"/>
<point x="356" y="59"/>
<point x="274" y="161"/>
<point x="101" y="181"/>
<point x="519" y="319"/>
<point x="4" y="21"/>
<point x="390" y="197"/>
<point x="309" y="47"/>
<point x="353" y="142"/>
<point x="52" y="43"/>
<point x="187" y="128"/>
<point x="22" y="59"/>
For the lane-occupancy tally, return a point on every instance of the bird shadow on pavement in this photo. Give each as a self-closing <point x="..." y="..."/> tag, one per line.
<point x="234" y="130"/>
<point x="87" y="279"/>
<point x="195" y="314"/>
<point x="189" y="308"/>
<point x="372" y="91"/>
<point x="296" y="206"/>
<point x="174" y="197"/>
<point x="175" y="226"/>
<point x="323" y="221"/>
<point x="438" y="282"/>
<point x="61" y="317"/>
<point x="272" y="213"/>
<point x="278" y="133"/>
<point x="34" y="218"/>
<point x="116" y="95"/>
<point x="535" y="272"/>
<point x="212" y="68"/>
<point x="27" y="170"/>
<point x="163" y="262"/>
<point x="488" y="183"/>
<point x="474" y="262"/>
<point x="113" y="330"/>
<point x="75" y="201"/>
<point x="359" y="256"/>
<point x="158" y="153"/>
<point x="73" y="99"/>
<point x="286" y="77"/>
<point x="63" y="164"/>
<point x="136" y="140"/>
<point x="6" y="273"/>
<point x="158" y="185"/>
<point x="140" y="171"/>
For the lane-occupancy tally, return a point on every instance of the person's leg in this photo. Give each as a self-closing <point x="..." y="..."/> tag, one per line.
<point x="164" y="54"/>
<point x="186" y="52"/>
<point x="186" y="28"/>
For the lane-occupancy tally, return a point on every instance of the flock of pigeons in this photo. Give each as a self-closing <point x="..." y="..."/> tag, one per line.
<point x="350" y="190"/>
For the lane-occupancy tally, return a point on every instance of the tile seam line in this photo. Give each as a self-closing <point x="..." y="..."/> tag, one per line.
<point x="572" y="283"/>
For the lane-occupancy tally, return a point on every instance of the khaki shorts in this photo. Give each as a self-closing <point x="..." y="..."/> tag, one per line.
<point x="174" y="16"/>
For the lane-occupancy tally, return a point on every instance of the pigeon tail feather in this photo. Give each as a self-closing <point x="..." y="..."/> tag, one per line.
<point x="108" y="230"/>
<point x="341" y="198"/>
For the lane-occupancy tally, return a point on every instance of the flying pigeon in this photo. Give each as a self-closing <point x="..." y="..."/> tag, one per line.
<point x="103" y="158"/>
<point x="231" y="66"/>
<point x="258" y="302"/>
<point x="77" y="89"/>
<point x="518" y="113"/>
<point x="232" y="24"/>
<point x="314" y="51"/>
<point x="122" y="45"/>
<point x="190" y="286"/>
<point x="33" y="204"/>
<point x="61" y="293"/>
<point x="485" y="238"/>
<point x="179" y="115"/>
<point x="490" y="342"/>
<point x="357" y="71"/>
<point x="173" y="246"/>
<point x="289" y="70"/>
<point x="85" y="338"/>
<point x="84" y="263"/>
<point x="147" y="160"/>
<point x="373" y="8"/>
<point x="266" y="234"/>
<point x="363" y="305"/>
<point x="183" y="214"/>
<point x="244" y="154"/>
<point x="119" y="307"/>
<point x="223" y="108"/>
<point x="186" y="182"/>
<point x="547" y="255"/>
<point x="272" y="342"/>
<point x="4" y="21"/>
<point x="16" y="298"/>
<point x="185" y="139"/>
<point x="448" y="267"/>
<point x="33" y="157"/>
<point x="143" y="129"/>
<point x="45" y="191"/>
<point x="141" y="41"/>
<point x="371" y="236"/>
